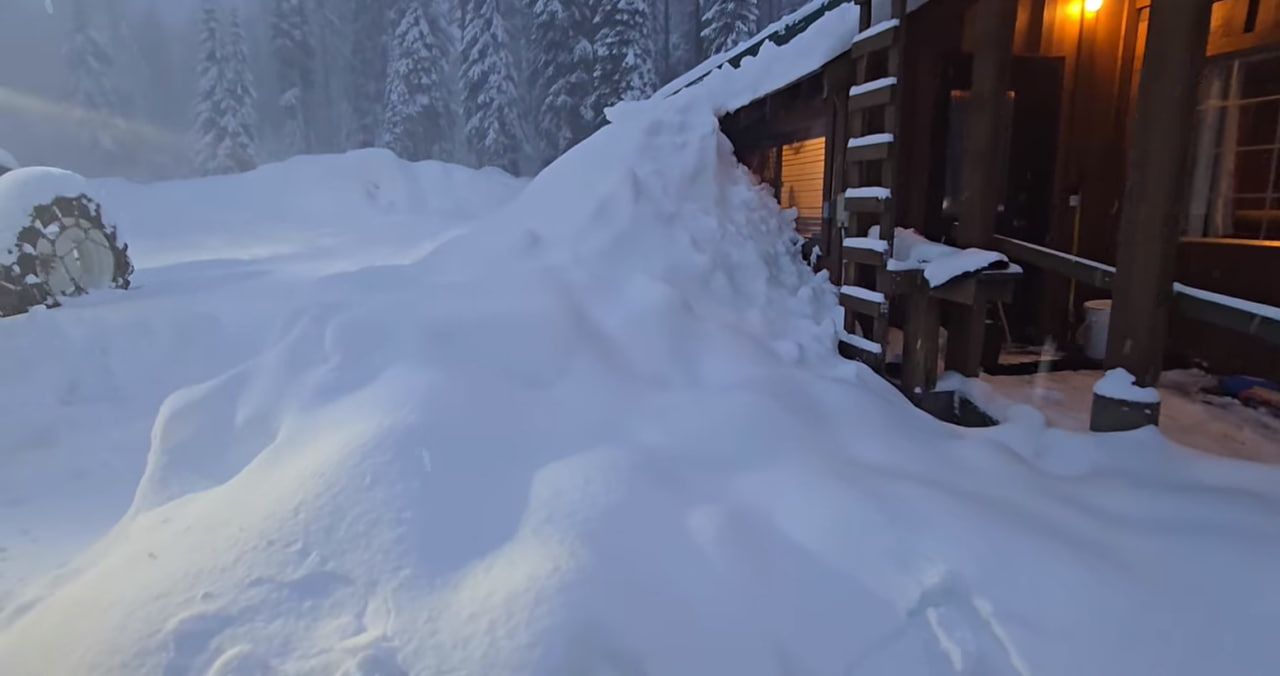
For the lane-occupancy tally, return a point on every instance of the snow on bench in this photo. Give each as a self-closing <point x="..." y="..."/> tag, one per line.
<point x="940" y="263"/>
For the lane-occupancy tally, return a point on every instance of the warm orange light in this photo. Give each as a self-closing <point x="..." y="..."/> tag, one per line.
<point x="1092" y="6"/>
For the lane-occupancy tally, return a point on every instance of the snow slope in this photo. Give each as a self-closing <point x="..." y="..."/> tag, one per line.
<point x="599" y="430"/>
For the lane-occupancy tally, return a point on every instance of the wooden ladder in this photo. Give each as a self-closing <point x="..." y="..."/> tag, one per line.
<point x="866" y="125"/>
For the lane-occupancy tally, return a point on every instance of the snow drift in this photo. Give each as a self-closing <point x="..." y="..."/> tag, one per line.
<point x="600" y="430"/>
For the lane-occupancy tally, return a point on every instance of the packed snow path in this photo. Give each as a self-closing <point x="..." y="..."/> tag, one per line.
<point x="358" y="418"/>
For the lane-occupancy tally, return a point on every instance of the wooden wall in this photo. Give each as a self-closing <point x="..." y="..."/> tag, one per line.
<point x="934" y="35"/>
<point x="1093" y="142"/>
<point x="802" y="183"/>
<point x="1098" y="51"/>
<point x="1231" y="18"/>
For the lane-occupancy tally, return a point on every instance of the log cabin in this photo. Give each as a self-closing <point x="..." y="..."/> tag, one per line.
<point x="1126" y="150"/>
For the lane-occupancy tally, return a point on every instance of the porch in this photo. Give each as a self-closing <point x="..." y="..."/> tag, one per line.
<point x="1009" y="128"/>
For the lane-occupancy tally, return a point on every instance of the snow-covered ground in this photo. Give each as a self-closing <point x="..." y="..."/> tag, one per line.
<point x="361" y="417"/>
<point x="1218" y="425"/>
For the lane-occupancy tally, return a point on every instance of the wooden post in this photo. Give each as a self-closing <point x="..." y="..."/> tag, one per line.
<point x="984" y="183"/>
<point x="984" y="180"/>
<point x="920" y="344"/>
<point x="1154" y="200"/>
<point x="838" y="78"/>
<point x="1154" y="197"/>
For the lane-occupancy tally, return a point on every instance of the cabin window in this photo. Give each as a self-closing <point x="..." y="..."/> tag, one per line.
<point x="1235" y="189"/>
<point x="801" y="183"/>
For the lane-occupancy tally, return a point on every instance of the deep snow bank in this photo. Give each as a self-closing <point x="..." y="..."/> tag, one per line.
<point x="223" y="265"/>
<point x="605" y="433"/>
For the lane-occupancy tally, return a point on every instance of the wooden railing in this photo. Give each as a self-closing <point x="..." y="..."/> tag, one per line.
<point x="1247" y="317"/>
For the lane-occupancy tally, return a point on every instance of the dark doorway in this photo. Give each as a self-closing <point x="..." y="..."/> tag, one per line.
<point x="1029" y="155"/>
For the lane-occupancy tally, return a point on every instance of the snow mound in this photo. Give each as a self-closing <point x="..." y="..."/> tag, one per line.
<point x="23" y="189"/>
<point x="603" y="430"/>
<point x="347" y="204"/>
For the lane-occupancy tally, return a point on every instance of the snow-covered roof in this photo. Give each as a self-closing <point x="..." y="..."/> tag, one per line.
<point x="782" y="32"/>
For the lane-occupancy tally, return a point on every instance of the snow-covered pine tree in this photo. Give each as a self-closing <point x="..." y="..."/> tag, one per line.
<point x="490" y="103"/>
<point x="726" y="24"/>
<point x="239" y="148"/>
<point x="767" y="11"/>
<point x="417" y="112"/>
<point x="561" y="62"/>
<point x="295" y="73"/>
<point x="93" y="87"/>
<point x="686" y="36"/>
<point x="210" y="101"/>
<point x="371" y="30"/>
<point x="624" y="53"/>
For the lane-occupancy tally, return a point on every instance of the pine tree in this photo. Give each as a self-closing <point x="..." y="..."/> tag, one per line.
<point x="417" y="114"/>
<point x="210" y="101"/>
<point x="295" y="73"/>
<point x="624" y="53"/>
<point x="689" y="42"/>
<point x="92" y="83"/>
<point x="489" y="99"/>
<point x="367" y="84"/>
<point x="238" y="150"/>
<point x="561" y="64"/>
<point x="330" y="31"/>
<point x="726" y="24"/>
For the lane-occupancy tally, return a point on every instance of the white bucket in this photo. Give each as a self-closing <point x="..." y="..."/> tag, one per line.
<point x="1097" y="321"/>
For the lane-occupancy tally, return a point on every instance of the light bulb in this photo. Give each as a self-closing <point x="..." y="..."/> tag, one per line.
<point x="1092" y="5"/>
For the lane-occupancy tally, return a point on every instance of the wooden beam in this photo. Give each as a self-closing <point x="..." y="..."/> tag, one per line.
<point x="1154" y="197"/>
<point x="1227" y="316"/>
<point x="994" y="24"/>
<point x="920" y="345"/>
<point x="1196" y="304"/>
<point x="864" y="14"/>
<point x="838" y="78"/>
<point x="1071" y="267"/>
<point x="863" y="301"/>
<point x="863" y="256"/>
<point x="861" y="99"/>
<point x="874" y="42"/>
